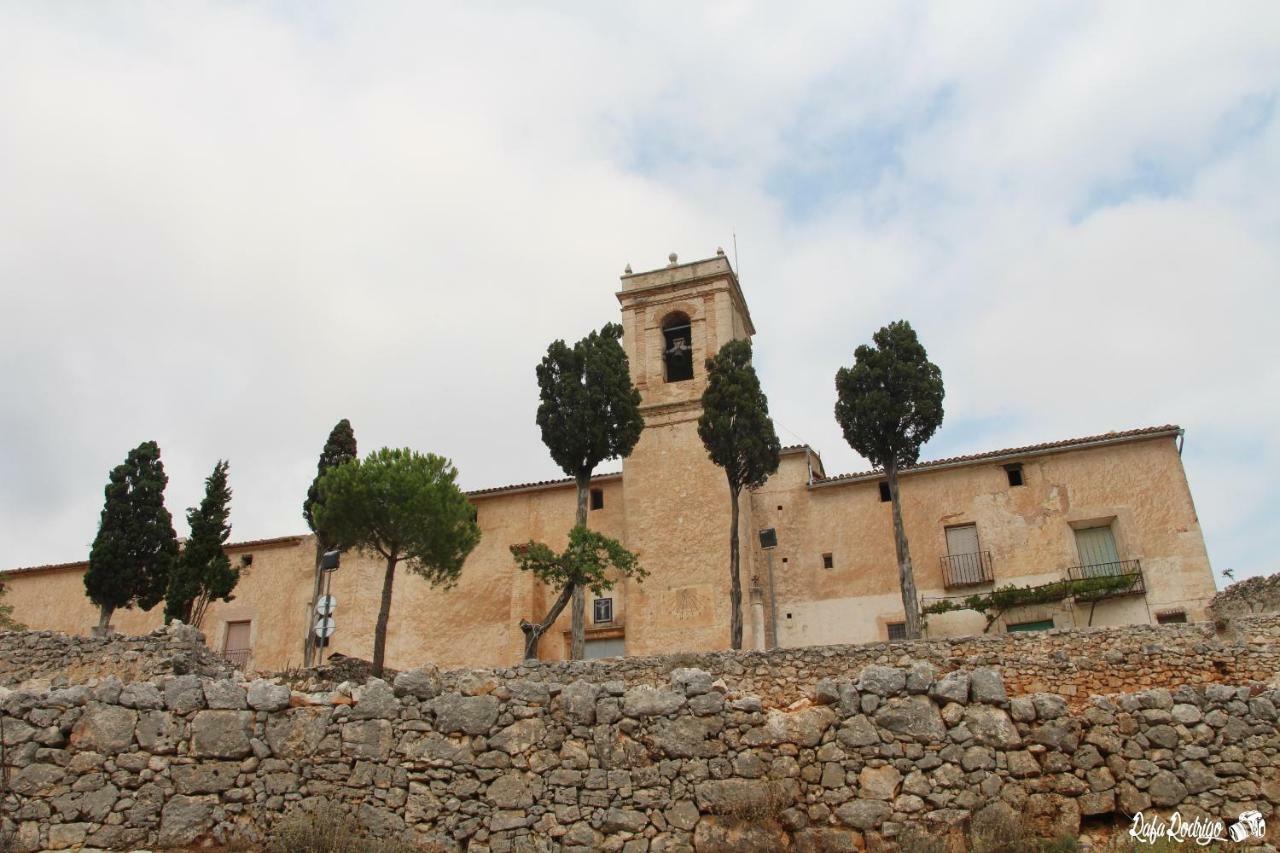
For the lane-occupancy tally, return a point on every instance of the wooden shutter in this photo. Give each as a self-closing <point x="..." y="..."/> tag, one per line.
<point x="1097" y="546"/>
<point x="962" y="540"/>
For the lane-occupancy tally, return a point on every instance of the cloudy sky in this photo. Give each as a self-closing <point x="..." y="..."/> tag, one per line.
<point x="226" y="226"/>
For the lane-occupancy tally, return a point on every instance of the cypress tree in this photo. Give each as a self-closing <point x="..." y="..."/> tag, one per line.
<point x="7" y="622"/>
<point x="134" y="551"/>
<point x="203" y="573"/>
<point x="339" y="449"/>
<point x="738" y="433"/>
<point x="889" y="404"/>
<point x="589" y="412"/>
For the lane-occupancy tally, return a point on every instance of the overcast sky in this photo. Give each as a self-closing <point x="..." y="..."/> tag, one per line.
<point x="226" y="226"/>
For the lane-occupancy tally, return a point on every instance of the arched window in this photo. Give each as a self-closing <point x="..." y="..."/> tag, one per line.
<point x="677" y="347"/>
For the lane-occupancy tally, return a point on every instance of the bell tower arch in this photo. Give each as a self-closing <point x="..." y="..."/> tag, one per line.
<point x="677" y="501"/>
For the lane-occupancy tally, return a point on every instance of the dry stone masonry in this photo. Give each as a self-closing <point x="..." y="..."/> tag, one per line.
<point x="648" y="755"/>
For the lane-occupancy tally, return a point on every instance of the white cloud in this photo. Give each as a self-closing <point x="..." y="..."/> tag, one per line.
<point x="226" y="227"/>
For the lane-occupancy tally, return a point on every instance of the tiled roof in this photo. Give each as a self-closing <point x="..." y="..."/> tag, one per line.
<point x="234" y="546"/>
<point x="1028" y="450"/>
<point x="539" y="484"/>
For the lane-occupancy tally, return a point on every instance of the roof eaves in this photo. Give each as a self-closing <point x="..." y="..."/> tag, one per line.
<point x="1042" y="449"/>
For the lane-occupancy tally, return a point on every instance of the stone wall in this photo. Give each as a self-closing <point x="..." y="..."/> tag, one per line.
<point x="692" y="763"/>
<point x="1075" y="663"/>
<point x="1250" y="596"/>
<point x="36" y="659"/>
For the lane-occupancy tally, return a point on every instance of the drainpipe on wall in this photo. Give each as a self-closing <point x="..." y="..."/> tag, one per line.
<point x="757" y="615"/>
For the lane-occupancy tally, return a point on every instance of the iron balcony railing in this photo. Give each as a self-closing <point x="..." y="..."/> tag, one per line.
<point x="1106" y="580"/>
<point x="239" y="658"/>
<point x="966" y="569"/>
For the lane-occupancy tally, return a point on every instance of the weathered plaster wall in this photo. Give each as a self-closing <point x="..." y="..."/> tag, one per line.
<point x="1027" y="529"/>
<point x="875" y="757"/>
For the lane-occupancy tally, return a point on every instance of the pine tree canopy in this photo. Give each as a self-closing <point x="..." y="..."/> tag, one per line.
<point x="402" y="505"/>
<point x="589" y="410"/>
<point x="203" y="573"/>
<point x="586" y="562"/>
<point x="135" y="548"/>
<point x="890" y="402"/>
<point x="735" y="426"/>
<point x="7" y="622"/>
<point x="340" y="448"/>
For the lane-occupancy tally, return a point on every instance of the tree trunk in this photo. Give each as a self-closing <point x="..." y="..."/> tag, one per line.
<point x="384" y="613"/>
<point x="532" y="632"/>
<point x="578" y="642"/>
<point x="104" y="619"/>
<point x="735" y="582"/>
<point x="309" y="643"/>
<point x="906" y="578"/>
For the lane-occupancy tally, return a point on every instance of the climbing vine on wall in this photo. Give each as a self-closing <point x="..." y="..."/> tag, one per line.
<point x="995" y="603"/>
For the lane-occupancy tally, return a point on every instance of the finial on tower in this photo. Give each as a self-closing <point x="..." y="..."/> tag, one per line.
<point x="720" y="251"/>
<point x="672" y="257"/>
<point x="628" y="269"/>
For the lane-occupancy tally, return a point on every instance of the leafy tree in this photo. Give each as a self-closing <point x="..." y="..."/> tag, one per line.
<point x="338" y="449"/>
<point x="203" y="573"/>
<point x="889" y="404"/>
<point x="584" y="564"/>
<point x="134" y="551"/>
<point x="406" y="507"/>
<point x="589" y="412"/>
<point x="736" y="430"/>
<point x="7" y="622"/>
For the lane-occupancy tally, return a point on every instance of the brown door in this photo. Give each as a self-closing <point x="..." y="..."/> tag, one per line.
<point x="236" y="647"/>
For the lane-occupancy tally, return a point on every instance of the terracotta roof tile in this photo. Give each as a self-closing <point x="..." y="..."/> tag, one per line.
<point x="234" y="546"/>
<point x="1027" y="450"/>
<point x="538" y="484"/>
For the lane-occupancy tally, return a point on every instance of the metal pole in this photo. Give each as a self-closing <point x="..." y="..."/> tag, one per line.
<point x="328" y="586"/>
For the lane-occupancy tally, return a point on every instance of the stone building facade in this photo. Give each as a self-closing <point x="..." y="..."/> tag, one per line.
<point x="1112" y="505"/>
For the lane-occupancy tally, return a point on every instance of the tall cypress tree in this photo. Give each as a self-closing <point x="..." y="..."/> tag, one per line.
<point x="134" y="551"/>
<point x="738" y="433"/>
<point x="7" y="622"/>
<point x="889" y="404"/>
<point x="340" y="448"/>
<point x="203" y="573"/>
<point x="589" y="412"/>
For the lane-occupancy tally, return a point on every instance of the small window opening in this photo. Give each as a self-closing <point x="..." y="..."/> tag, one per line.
<point x="1038" y="625"/>
<point x="597" y="498"/>
<point x="885" y="495"/>
<point x="897" y="630"/>
<point x="827" y="561"/>
<point x="1015" y="474"/>
<point x="677" y="347"/>
<point x="788" y="615"/>
<point x="603" y="610"/>
<point x="1173" y="617"/>
<point x="246" y="559"/>
<point x="779" y="507"/>
<point x="784" y="560"/>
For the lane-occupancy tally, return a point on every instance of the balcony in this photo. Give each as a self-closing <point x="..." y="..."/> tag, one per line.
<point x="966" y="569"/>
<point x="239" y="658"/>
<point x="1106" y="580"/>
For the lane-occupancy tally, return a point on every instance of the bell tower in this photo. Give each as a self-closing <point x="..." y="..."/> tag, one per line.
<point x="677" y="501"/>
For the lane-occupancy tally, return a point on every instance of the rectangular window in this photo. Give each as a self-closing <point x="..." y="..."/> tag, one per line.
<point x="235" y="648"/>
<point x="597" y="498"/>
<point x="1173" y="617"/>
<point x="1015" y="473"/>
<point x="1097" y="549"/>
<point x="885" y="494"/>
<point x="1041" y="625"/>
<point x="611" y="648"/>
<point x="897" y="630"/>
<point x="603" y="610"/>
<point x="827" y="561"/>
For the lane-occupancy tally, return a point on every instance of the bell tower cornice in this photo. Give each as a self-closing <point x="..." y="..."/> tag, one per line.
<point x="674" y="318"/>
